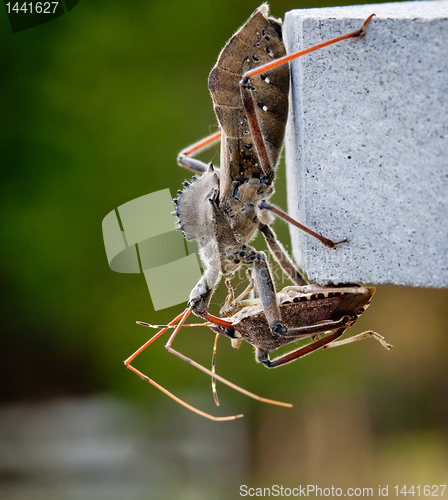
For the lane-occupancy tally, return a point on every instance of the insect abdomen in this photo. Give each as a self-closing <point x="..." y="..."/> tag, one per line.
<point x="258" y="42"/>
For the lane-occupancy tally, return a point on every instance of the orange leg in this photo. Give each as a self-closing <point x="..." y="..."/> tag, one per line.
<point x="263" y="356"/>
<point x="201" y="145"/>
<point x="282" y="60"/>
<point x="209" y="372"/>
<point x="181" y="318"/>
<point x="327" y="242"/>
<point x="185" y="157"/>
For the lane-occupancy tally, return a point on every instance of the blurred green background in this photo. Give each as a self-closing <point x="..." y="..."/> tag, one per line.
<point x="95" y="107"/>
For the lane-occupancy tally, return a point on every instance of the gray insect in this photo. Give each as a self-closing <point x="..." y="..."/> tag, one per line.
<point x="222" y="209"/>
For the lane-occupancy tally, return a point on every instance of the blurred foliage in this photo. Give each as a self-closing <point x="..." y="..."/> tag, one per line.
<point x="95" y="107"/>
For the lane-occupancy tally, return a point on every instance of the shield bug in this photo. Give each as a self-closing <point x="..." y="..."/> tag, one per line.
<point x="321" y="314"/>
<point x="307" y="312"/>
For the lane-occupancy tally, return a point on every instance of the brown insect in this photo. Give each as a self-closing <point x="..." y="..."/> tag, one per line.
<point x="307" y="312"/>
<point x="222" y="209"/>
<point x="320" y="313"/>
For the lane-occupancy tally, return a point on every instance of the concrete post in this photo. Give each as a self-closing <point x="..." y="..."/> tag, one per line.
<point x="367" y="143"/>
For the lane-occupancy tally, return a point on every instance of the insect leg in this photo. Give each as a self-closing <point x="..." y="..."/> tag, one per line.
<point x="248" y="100"/>
<point x="282" y="60"/>
<point x="248" y="289"/>
<point x="214" y="375"/>
<point x="361" y="336"/>
<point x="201" y="294"/>
<point x="231" y="305"/>
<point x="281" y="256"/>
<point x="264" y="205"/>
<point x="263" y="356"/>
<point x="264" y="286"/>
<point x="182" y="317"/>
<point x="230" y="299"/>
<point x="185" y="157"/>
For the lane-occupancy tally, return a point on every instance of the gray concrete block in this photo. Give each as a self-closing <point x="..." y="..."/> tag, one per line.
<point x="367" y="143"/>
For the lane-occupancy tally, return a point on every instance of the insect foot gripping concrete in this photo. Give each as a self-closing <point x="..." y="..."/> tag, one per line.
<point x="223" y="209"/>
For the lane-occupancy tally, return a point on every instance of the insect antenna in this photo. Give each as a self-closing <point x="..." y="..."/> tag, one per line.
<point x="215" y="393"/>
<point x="149" y="325"/>
<point x="181" y="319"/>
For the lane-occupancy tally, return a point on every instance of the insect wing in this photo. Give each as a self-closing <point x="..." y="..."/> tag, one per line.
<point x="258" y="42"/>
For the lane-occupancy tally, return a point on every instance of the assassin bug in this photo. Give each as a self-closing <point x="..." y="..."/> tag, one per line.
<point x="222" y="209"/>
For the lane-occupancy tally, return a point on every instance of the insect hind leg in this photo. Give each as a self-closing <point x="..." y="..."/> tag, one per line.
<point x="211" y="373"/>
<point x="263" y="357"/>
<point x="361" y="336"/>
<point x="323" y="343"/>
